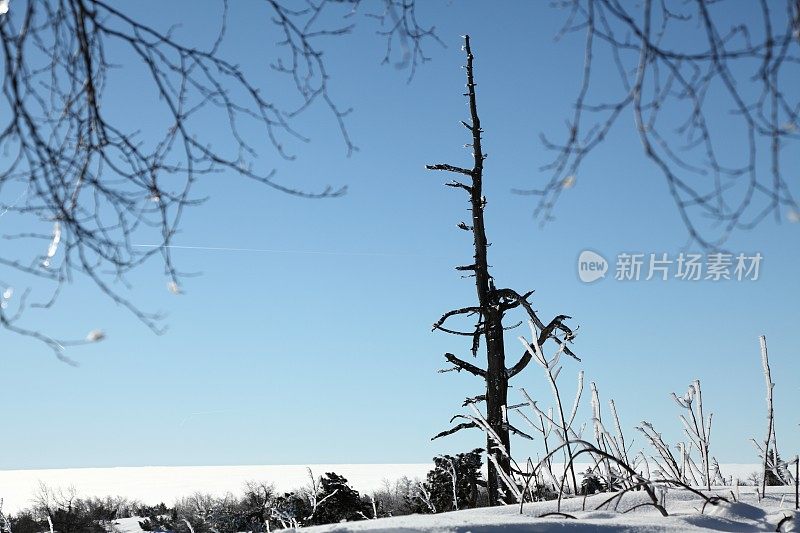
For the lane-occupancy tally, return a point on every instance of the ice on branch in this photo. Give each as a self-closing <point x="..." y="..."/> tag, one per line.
<point x="53" y="248"/>
<point x="96" y="335"/>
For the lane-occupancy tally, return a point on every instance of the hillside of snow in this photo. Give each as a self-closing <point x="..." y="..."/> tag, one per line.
<point x="686" y="513"/>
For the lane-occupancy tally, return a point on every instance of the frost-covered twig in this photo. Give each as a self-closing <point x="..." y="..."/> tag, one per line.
<point x="668" y="465"/>
<point x="451" y="471"/>
<point x="599" y="431"/>
<point x="698" y="430"/>
<point x="5" y="523"/>
<point x="770" y="413"/>
<point x="506" y="478"/>
<point x="618" y="427"/>
<point x="587" y="447"/>
<point x="552" y="370"/>
<point x="613" y="445"/>
<point x="425" y="496"/>
<point x="313" y="493"/>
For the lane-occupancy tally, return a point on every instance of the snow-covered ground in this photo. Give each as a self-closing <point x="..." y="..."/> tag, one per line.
<point x="686" y="513"/>
<point x="152" y="485"/>
<point x="155" y="484"/>
<point x="685" y="509"/>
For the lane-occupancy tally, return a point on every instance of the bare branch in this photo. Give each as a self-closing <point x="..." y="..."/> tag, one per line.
<point x="450" y="168"/>
<point x="666" y="87"/>
<point x="459" y="427"/>
<point x="72" y="164"/>
<point x="463" y="365"/>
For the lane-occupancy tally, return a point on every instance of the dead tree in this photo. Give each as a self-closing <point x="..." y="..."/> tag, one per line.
<point x="493" y="304"/>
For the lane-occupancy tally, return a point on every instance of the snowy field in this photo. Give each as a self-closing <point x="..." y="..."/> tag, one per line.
<point x="686" y="514"/>
<point x="155" y="484"/>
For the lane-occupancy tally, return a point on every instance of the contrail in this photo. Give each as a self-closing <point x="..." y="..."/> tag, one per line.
<point x="23" y="193"/>
<point x="276" y="251"/>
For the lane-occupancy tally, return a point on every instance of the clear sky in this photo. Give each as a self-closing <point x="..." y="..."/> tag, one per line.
<point x="276" y="357"/>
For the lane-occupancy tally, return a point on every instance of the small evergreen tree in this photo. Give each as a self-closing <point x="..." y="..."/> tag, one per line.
<point x="591" y="483"/>
<point x="156" y="517"/>
<point x="338" y="502"/>
<point x="74" y="519"/>
<point x="25" y="522"/>
<point x="773" y="463"/>
<point x="454" y="483"/>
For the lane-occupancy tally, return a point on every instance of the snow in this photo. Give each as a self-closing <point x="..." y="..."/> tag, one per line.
<point x="686" y="514"/>
<point x="686" y="510"/>
<point x="127" y="525"/>
<point x="153" y="485"/>
<point x="156" y="484"/>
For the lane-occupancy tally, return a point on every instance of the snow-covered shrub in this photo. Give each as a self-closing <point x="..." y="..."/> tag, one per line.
<point x="203" y="513"/>
<point x="455" y="482"/>
<point x="64" y="510"/>
<point x="693" y="465"/>
<point x="289" y="510"/>
<point x="336" y="501"/>
<point x="396" y="498"/>
<point x="614" y="466"/>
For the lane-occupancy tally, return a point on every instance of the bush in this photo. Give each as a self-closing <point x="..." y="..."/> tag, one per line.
<point x="337" y="502"/>
<point x="462" y="473"/>
<point x="396" y="499"/>
<point x="25" y="522"/>
<point x="591" y="483"/>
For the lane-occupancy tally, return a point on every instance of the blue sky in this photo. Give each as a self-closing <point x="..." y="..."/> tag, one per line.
<point x="293" y="358"/>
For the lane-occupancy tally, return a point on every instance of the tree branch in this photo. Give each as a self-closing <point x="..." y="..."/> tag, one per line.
<point x="459" y="427"/>
<point x="463" y="365"/>
<point x="450" y="168"/>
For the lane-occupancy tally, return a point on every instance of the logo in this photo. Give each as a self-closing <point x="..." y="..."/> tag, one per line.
<point x="684" y="266"/>
<point x="591" y="266"/>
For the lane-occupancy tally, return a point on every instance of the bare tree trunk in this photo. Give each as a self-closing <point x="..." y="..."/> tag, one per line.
<point x="492" y="306"/>
<point x="489" y="306"/>
<point x="496" y="376"/>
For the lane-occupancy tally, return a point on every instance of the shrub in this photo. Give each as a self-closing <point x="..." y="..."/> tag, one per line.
<point x="454" y="483"/>
<point x="337" y="502"/>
